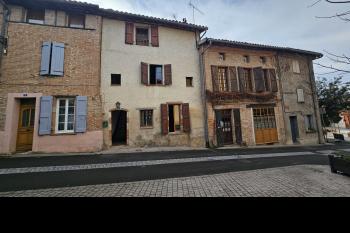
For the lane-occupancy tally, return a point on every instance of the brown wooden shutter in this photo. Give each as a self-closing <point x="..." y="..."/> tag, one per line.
<point x="259" y="79"/>
<point x="164" y="119"/>
<point x="214" y="74"/>
<point x="186" y="122"/>
<point x="274" y="86"/>
<point x="129" y="33"/>
<point x="144" y="73"/>
<point x="154" y="36"/>
<point x="241" y="80"/>
<point x="167" y="75"/>
<point x="233" y="79"/>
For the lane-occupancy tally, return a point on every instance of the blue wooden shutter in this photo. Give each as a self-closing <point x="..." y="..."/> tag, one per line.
<point x="45" y="58"/>
<point x="45" y="115"/>
<point x="57" y="59"/>
<point x="81" y="114"/>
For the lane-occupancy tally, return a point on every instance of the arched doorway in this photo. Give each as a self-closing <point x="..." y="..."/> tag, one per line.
<point x="119" y="127"/>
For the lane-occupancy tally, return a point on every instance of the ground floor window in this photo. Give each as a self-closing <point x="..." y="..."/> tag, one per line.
<point x="309" y="123"/>
<point x="146" y="118"/>
<point x="65" y="115"/>
<point x="265" y="126"/>
<point x="174" y="112"/>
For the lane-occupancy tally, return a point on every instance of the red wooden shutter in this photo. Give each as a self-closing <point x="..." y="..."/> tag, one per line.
<point x="241" y="80"/>
<point x="129" y="33"/>
<point x="214" y="74"/>
<point x="233" y="79"/>
<point x="144" y="73"/>
<point x="164" y="119"/>
<point x="274" y="86"/>
<point x="186" y="123"/>
<point x="259" y="79"/>
<point x="167" y="75"/>
<point x="154" y="36"/>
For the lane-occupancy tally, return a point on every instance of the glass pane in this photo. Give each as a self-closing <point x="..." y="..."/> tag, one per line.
<point x="60" y="126"/>
<point x="62" y="110"/>
<point x="71" y="110"/>
<point x="25" y="117"/>
<point x="71" y="103"/>
<point x="63" y="103"/>
<point x="159" y="75"/>
<point x="32" y="117"/>
<point x="70" y="118"/>
<point x="70" y="126"/>
<point x="61" y="118"/>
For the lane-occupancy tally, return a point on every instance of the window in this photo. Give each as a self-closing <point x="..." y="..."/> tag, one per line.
<point x="300" y="94"/>
<point x="296" y="67"/>
<point x="222" y="56"/>
<point x="189" y="81"/>
<point x="222" y="76"/>
<point x="309" y="123"/>
<point x="246" y="59"/>
<point x="174" y="118"/>
<point x="115" y="79"/>
<point x="76" y="21"/>
<point x="146" y="118"/>
<point x="264" y="118"/>
<point x="65" y="115"/>
<point x="263" y="60"/>
<point x="266" y="80"/>
<point x="248" y="80"/>
<point x="52" y="59"/>
<point x="35" y="16"/>
<point x="156" y="75"/>
<point x="142" y="36"/>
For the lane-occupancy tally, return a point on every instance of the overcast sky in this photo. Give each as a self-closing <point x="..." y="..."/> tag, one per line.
<point x="273" y="22"/>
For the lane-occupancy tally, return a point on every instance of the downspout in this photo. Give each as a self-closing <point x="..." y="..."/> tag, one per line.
<point x="203" y="92"/>
<point x="282" y="97"/>
<point x="314" y="101"/>
<point x="3" y="35"/>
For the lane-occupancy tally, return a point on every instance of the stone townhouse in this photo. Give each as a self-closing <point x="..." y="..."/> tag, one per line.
<point x="258" y="94"/>
<point x="150" y="82"/>
<point x="50" y="77"/>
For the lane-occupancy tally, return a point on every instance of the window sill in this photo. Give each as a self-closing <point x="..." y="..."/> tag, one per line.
<point x="63" y="134"/>
<point x="151" y="127"/>
<point x="48" y="25"/>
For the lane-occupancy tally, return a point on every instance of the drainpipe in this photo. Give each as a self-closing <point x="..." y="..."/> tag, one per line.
<point x="3" y="35"/>
<point x="203" y="92"/>
<point x="315" y="101"/>
<point x="282" y="97"/>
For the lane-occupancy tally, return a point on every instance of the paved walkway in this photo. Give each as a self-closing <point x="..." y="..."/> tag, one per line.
<point x="296" y="181"/>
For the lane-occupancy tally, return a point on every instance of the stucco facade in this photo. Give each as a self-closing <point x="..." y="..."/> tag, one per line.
<point x="20" y="79"/>
<point x="176" y="47"/>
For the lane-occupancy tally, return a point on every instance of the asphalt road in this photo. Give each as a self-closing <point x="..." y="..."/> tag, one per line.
<point x="29" y="181"/>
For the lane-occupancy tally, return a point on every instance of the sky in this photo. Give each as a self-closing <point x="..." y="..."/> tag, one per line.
<point x="273" y="22"/>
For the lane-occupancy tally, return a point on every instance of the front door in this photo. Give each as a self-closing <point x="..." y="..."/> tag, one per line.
<point x="224" y="127"/>
<point x="294" y="128"/>
<point x="119" y="127"/>
<point x="26" y="125"/>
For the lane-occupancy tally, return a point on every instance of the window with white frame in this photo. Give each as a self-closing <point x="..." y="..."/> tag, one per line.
<point x="65" y="115"/>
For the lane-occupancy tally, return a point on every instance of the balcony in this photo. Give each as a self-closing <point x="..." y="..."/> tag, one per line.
<point x="233" y="97"/>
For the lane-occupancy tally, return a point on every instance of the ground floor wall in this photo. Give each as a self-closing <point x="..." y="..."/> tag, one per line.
<point x="153" y="136"/>
<point x="90" y="141"/>
<point x="247" y="123"/>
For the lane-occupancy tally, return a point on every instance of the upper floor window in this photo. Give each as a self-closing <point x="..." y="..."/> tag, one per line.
<point x="35" y="16"/>
<point x="52" y="59"/>
<point x="263" y="60"/>
<point x="246" y="59"/>
<point x="142" y="36"/>
<point x="296" y="67"/>
<point x="222" y="56"/>
<point x="222" y="79"/>
<point x="76" y="21"/>
<point x="248" y="80"/>
<point x="156" y="75"/>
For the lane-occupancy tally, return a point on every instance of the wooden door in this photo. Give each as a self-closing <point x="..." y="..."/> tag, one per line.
<point x="224" y="127"/>
<point x="25" y="128"/>
<point x="265" y="126"/>
<point x="238" y="126"/>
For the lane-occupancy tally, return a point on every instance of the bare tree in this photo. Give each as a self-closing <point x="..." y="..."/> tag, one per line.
<point x="343" y="60"/>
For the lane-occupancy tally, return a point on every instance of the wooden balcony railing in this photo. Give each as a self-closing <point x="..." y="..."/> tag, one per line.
<point x="231" y="97"/>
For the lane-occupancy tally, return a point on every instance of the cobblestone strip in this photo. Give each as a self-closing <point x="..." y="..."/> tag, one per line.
<point x="296" y="181"/>
<point x="141" y="163"/>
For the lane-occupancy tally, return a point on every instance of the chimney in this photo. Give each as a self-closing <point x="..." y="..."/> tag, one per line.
<point x="184" y="20"/>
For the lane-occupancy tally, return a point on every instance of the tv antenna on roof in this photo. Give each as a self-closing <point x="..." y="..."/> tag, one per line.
<point x="194" y="8"/>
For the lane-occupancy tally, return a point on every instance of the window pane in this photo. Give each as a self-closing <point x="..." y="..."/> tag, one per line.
<point x="60" y="126"/>
<point x="142" y="36"/>
<point x="71" y="103"/>
<point x="71" y="110"/>
<point x="61" y="118"/>
<point x="25" y="118"/>
<point x="70" y="126"/>
<point x="159" y="75"/>
<point x="77" y="21"/>
<point x="35" y="16"/>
